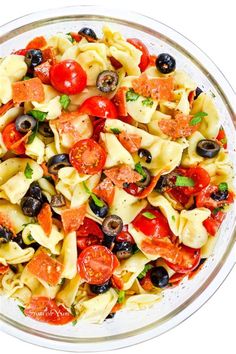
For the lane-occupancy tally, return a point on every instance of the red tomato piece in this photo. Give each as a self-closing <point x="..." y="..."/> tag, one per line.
<point x="84" y="242"/>
<point x="87" y="156"/>
<point x="20" y="52"/>
<point x="191" y="97"/>
<point x="178" y="127"/>
<point x="76" y="36"/>
<point x="88" y="228"/>
<point x="124" y="236"/>
<point x="42" y="71"/>
<point x="132" y="189"/>
<point x="72" y="218"/>
<point x="152" y="60"/>
<point x="3" y="269"/>
<point x="117" y="282"/>
<point x="146" y="282"/>
<point x="213" y="222"/>
<point x="187" y="261"/>
<point x="157" y="227"/>
<point x="96" y="264"/>
<point x="221" y="137"/>
<point x="37" y="43"/>
<point x="46" y="268"/>
<point x="200" y="177"/>
<point x="144" y="60"/>
<point x="120" y="101"/>
<point x="131" y="142"/>
<point x="68" y="77"/>
<point x="105" y="190"/>
<point x="99" y="106"/>
<point x="28" y="90"/>
<point x="115" y="63"/>
<point x="43" y="309"/>
<point x="178" y="194"/>
<point x="122" y="174"/>
<point x="45" y="218"/>
<point x="204" y="199"/>
<point x="98" y="127"/>
<point x="10" y="136"/>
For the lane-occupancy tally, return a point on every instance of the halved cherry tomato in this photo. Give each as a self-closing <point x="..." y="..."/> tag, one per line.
<point x="120" y="101"/>
<point x="96" y="264"/>
<point x="87" y="156"/>
<point x="221" y="137"/>
<point x="89" y="227"/>
<point x="98" y="127"/>
<point x="156" y="227"/>
<point x="204" y="199"/>
<point x="124" y="236"/>
<point x="200" y="177"/>
<point x="43" y="309"/>
<point x="46" y="268"/>
<point x="3" y="269"/>
<point x="99" y="106"/>
<point x="105" y="190"/>
<point x="213" y="222"/>
<point x="84" y="242"/>
<point x="178" y="194"/>
<point x="10" y="136"/>
<point x="144" y="61"/>
<point x="187" y="261"/>
<point x="131" y="142"/>
<point x="68" y="77"/>
<point x="132" y="189"/>
<point x="37" y="43"/>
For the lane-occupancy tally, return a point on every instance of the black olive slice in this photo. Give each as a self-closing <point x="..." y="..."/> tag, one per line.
<point x="58" y="201"/>
<point x="100" y="289"/>
<point x="159" y="277"/>
<point x="165" y="63"/>
<point x="145" y="181"/>
<point x="100" y="211"/>
<point x="107" y="81"/>
<point x="207" y="148"/>
<point x="56" y="162"/>
<point x="30" y="206"/>
<point x="33" y="58"/>
<point x="88" y="32"/>
<point x="25" y="123"/>
<point x="123" y="250"/>
<point x="146" y="154"/>
<point x="112" y="225"/>
<point x="45" y="130"/>
<point x="5" y="234"/>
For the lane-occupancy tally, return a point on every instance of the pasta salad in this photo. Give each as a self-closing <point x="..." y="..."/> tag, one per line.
<point x="114" y="176"/>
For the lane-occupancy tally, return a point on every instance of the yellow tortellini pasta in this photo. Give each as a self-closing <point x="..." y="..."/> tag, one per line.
<point x="12" y="253"/>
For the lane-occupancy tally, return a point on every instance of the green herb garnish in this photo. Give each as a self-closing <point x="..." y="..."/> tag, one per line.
<point x="26" y="78"/>
<point x="173" y="217"/>
<point x="70" y="38"/>
<point x="33" y="134"/>
<point x="149" y="215"/>
<point x="28" y="172"/>
<point x="131" y="96"/>
<point x="223" y="187"/>
<point x="182" y="181"/>
<point x="215" y="211"/>
<point x="73" y="312"/>
<point x="140" y="170"/>
<point x="147" y="102"/>
<point x="146" y="268"/>
<point x="64" y="101"/>
<point x="22" y="309"/>
<point x="115" y="130"/>
<point x="197" y="118"/>
<point x="96" y="200"/>
<point x="39" y="115"/>
<point x="30" y="237"/>
<point x="121" y="296"/>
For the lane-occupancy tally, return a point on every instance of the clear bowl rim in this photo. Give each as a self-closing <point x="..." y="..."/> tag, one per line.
<point x="224" y="88"/>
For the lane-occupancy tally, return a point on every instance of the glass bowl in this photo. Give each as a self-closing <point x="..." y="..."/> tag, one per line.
<point x="132" y="327"/>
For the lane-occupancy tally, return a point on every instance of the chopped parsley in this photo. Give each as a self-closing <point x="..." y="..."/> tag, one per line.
<point x="64" y="101"/>
<point x="22" y="309"/>
<point x="30" y="237"/>
<point x="140" y="170"/>
<point x="73" y="312"/>
<point x="115" y="130"/>
<point x="147" y="102"/>
<point x="28" y="172"/>
<point x="173" y="217"/>
<point x="131" y="96"/>
<point x="182" y="181"/>
<point x="70" y="38"/>
<point x="149" y="215"/>
<point x="38" y="115"/>
<point x="197" y="118"/>
<point x="146" y="268"/>
<point x="33" y="134"/>
<point x="26" y="78"/>
<point x="121" y="296"/>
<point x="215" y="211"/>
<point x="96" y="200"/>
<point x="223" y="187"/>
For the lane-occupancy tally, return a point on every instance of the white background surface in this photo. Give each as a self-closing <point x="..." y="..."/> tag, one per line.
<point x="210" y="25"/>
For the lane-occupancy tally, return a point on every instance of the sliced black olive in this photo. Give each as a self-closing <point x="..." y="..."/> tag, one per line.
<point x="100" y="211"/>
<point x="19" y="240"/>
<point x="123" y="250"/>
<point x="56" y="162"/>
<point x="45" y="130"/>
<point x="88" y="32"/>
<point x="35" y="191"/>
<point x="146" y="154"/>
<point x="58" y="200"/>
<point x="144" y="182"/>
<point x="207" y="148"/>
<point x="219" y="195"/>
<point x="112" y="225"/>
<point x="107" y="81"/>
<point x="109" y="241"/>
<point x="197" y="92"/>
<point x="25" y="123"/>
<point x="30" y="206"/>
<point x="33" y="58"/>
<point x="100" y="289"/>
<point x="111" y="315"/>
<point x="159" y="277"/>
<point x="165" y="63"/>
<point x="5" y="234"/>
<point x="166" y="181"/>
